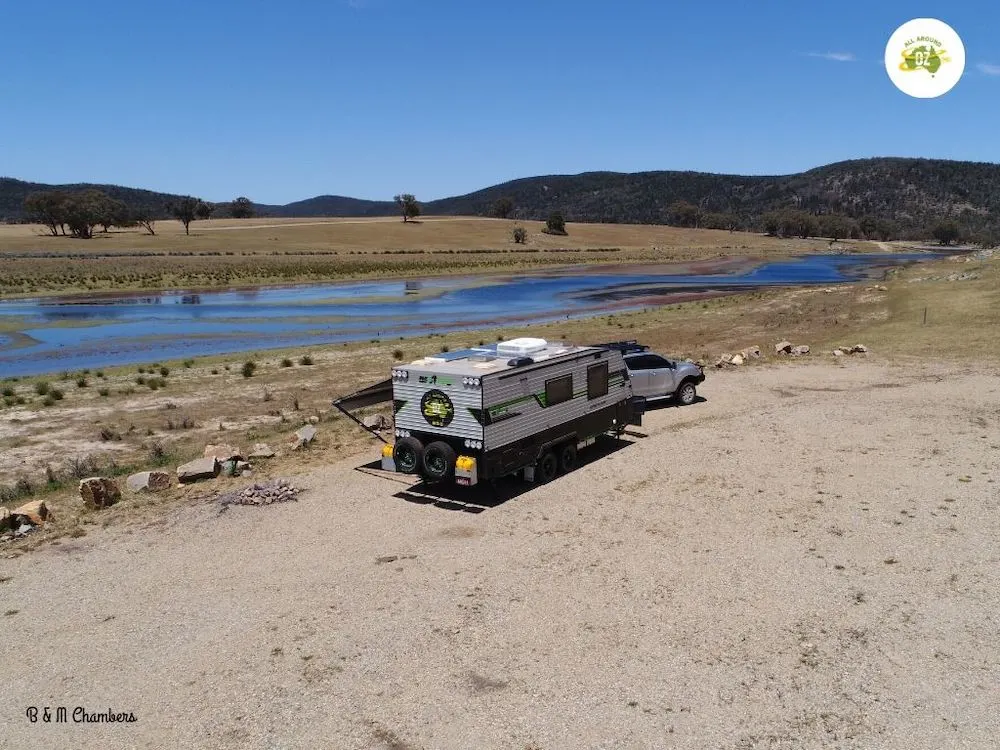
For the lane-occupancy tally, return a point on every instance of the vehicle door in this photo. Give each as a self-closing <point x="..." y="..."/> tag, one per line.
<point x="638" y="372"/>
<point x="661" y="376"/>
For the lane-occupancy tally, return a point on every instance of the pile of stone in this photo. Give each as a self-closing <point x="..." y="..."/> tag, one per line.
<point x="740" y="358"/>
<point x="23" y="520"/>
<point x="261" y="493"/>
<point x="840" y="351"/>
<point x="785" y="347"/>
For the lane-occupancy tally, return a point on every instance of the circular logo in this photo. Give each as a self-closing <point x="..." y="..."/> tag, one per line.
<point x="437" y="408"/>
<point x="925" y="58"/>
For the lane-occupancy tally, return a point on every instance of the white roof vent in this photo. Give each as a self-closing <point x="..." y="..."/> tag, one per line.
<point x="521" y="347"/>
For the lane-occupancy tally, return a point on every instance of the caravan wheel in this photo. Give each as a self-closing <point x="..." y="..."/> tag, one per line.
<point x="546" y="468"/>
<point x="439" y="461"/>
<point x="408" y="455"/>
<point x="567" y="458"/>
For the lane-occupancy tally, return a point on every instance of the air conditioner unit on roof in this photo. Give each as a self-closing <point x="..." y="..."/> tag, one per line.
<point x="521" y="347"/>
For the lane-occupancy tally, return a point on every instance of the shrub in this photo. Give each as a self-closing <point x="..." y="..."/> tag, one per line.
<point x="268" y="396"/>
<point x="249" y="368"/>
<point x="555" y="224"/>
<point x="103" y="392"/>
<point x="520" y="235"/>
<point x="108" y="434"/>
<point x="215" y="371"/>
<point x="155" y="384"/>
<point x="444" y="347"/>
<point x="42" y="387"/>
<point x="48" y="401"/>
<point x="7" y="392"/>
<point x="306" y="360"/>
<point x="64" y="375"/>
<point x="81" y="382"/>
<point x="100" y="373"/>
<point x="397" y="354"/>
<point x="140" y="380"/>
<point x="56" y="394"/>
<point x="81" y="468"/>
<point x="158" y="455"/>
<point x="286" y="362"/>
<point x="188" y="364"/>
<point x="164" y="371"/>
<point x="142" y="370"/>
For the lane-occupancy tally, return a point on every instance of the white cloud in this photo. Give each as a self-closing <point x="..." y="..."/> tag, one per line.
<point x="835" y="56"/>
<point x="990" y="70"/>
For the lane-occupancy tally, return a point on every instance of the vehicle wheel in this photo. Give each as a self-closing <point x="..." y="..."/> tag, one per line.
<point x="408" y="455"/>
<point x="687" y="393"/>
<point x="567" y="458"/>
<point x="546" y="468"/>
<point x="439" y="461"/>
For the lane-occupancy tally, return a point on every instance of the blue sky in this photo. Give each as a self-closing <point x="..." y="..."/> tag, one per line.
<point x="283" y="101"/>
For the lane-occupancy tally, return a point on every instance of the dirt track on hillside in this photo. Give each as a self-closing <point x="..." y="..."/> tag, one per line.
<point x="794" y="562"/>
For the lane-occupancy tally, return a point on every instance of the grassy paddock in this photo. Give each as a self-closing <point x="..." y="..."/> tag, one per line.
<point x="222" y="253"/>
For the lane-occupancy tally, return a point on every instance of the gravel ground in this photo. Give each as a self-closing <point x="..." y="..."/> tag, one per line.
<point x="795" y="562"/>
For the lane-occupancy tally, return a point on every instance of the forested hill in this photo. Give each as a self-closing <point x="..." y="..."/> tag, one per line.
<point x="913" y="193"/>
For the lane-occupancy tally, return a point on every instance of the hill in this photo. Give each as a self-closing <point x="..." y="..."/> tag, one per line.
<point x="915" y="193"/>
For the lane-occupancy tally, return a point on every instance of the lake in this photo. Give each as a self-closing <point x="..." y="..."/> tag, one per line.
<point x="103" y="330"/>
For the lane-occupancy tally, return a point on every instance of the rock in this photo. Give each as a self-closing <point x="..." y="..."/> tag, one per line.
<point x="99" y="492"/>
<point x="6" y="519"/>
<point x="783" y="347"/>
<point x="375" y="422"/>
<point x="838" y="353"/>
<point x="313" y="419"/>
<point x="882" y="288"/>
<point x="148" y="481"/>
<point x="302" y="437"/>
<point x="858" y="349"/>
<point x="751" y="352"/>
<point x="798" y="351"/>
<point x="261" y="450"/>
<point x="23" y="529"/>
<point x="737" y="360"/>
<point x="242" y="466"/>
<point x="201" y="468"/>
<point x="34" y="513"/>
<point x="246" y="473"/>
<point x="724" y="360"/>
<point x="223" y="452"/>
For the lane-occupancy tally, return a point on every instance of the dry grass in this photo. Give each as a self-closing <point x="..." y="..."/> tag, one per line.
<point x="197" y="407"/>
<point x="231" y="252"/>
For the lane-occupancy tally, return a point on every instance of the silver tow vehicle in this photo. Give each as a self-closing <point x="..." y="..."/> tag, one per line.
<point x="656" y="377"/>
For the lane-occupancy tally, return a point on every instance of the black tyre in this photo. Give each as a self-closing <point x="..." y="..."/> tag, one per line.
<point x="546" y="468"/>
<point x="567" y="458"/>
<point x="687" y="393"/>
<point x="408" y="455"/>
<point x="439" y="461"/>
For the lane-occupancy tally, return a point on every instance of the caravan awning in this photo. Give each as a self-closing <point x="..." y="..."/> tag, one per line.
<point x="373" y="394"/>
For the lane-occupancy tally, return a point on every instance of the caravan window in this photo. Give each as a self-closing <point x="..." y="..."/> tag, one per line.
<point x="558" y="390"/>
<point x="597" y="380"/>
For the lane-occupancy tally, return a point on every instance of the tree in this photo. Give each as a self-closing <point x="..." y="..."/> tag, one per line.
<point x="868" y="226"/>
<point x="503" y="208"/>
<point x="886" y="230"/>
<point x="204" y="210"/>
<point x="520" y="235"/>
<point x="47" y="207"/>
<point x="84" y="211"/>
<point x="947" y="232"/>
<point x="683" y="214"/>
<point x="113" y="213"/>
<point x="186" y="210"/>
<point x="835" y="227"/>
<point x="241" y="208"/>
<point x="408" y="205"/>
<point x="144" y="218"/>
<point x="555" y="224"/>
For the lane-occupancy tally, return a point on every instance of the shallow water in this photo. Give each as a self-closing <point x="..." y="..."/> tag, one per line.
<point x="70" y="333"/>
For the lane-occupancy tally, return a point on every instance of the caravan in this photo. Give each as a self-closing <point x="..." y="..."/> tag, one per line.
<point x="522" y="406"/>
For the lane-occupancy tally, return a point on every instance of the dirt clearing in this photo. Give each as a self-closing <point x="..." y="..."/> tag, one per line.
<point x="806" y="559"/>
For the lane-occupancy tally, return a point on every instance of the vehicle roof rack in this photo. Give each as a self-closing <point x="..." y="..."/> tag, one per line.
<point x="625" y="347"/>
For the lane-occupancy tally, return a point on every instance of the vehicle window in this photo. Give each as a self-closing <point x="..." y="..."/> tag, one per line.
<point x="597" y="380"/>
<point x="558" y="390"/>
<point x="642" y="362"/>
<point x="658" y="361"/>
